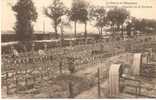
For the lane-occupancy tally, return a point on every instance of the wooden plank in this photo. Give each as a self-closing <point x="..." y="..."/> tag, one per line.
<point x="114" y="76"/>
<point x="136" y="64"/>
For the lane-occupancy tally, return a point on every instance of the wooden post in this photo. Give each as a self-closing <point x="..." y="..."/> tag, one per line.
<point x="71" y="66"/>
<point x="45" y="47"/>
<point x="26" y="81"/>
<point x="48" y="71"/>
<point x="16" y="81"/>
<point x="70" y="44"/>
<point x="148" y="58"/>
<point x="7" y="85"/>
<point x="70" y="89"/>
<point x="33" y="47"/>
<point x="99" y="88"/>
<point x="41" y="72"/>
<point x="34" y="80"/>
<point x="136" y="92"/>
<point x="46" y="66"/>
<point x="60" y="65"/>
<point x="139" y="88"/>
<point x="150" y="54"/>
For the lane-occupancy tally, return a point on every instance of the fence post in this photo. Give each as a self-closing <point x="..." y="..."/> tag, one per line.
<point x="34" y="80"/>
<point x="71" y="66"/>
<point x="7" y="87"/>
<point x="42" y="69"/>
<point x="48" y="71"/>
<point x="136" y="91"/>
<point x="60" y="66"/>
<point x="99" y="88"/>
<point x="70" y="89"/>
<point x="33" y="47"/>
<point x="26" y="81"/>
<point x="16" y="81"/>
<point x="139" y="88"/>
<point x="45" y="47"/>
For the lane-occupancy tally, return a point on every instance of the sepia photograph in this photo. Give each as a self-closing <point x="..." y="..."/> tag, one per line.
<point x="78" y="49"/>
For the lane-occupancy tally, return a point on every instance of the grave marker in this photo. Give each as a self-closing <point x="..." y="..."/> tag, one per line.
<point x="150" y="53"/>
<point x="45" y="47"/>
<point x="145" y="58"/>
<point x="14" y="51"/>
<point x="33" y="47"/>
<point x="24" y="48"/>
<point x="41" y="52"/>
<point x="137" y="61"/>
<point x="71" y="44"/>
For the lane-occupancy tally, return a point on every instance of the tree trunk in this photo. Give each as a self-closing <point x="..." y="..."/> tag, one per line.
<point x="85" y="34"/>
<point x="62" y="36"/>
<point x="113" y="30"/>
<point x="75" y="22"/>
<point x="55" y="28"/>
<point x="56" y="31"/>
<point x="118" y="27"/>
<point x="122" y="32"/>
<point x="101" y="30"/>
<point x="118" y="31"/>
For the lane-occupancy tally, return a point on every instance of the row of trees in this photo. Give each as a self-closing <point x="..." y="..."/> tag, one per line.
<point x="143" y="25"/>
<point x="82" y="12"/>
<point x="118" y="18"/>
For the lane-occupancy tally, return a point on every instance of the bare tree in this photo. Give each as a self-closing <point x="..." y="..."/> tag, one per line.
<point x="79" y="12"/>
<point x="144" y="25"/>
<point x="117" y="17"/>
<point x="98" y="14"/>
<point x="54" y="12"/>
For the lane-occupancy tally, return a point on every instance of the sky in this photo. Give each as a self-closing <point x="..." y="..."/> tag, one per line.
<point x="8" y="16"/>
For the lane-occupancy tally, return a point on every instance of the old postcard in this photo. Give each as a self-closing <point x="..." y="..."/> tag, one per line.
<point x="78" y="49"/>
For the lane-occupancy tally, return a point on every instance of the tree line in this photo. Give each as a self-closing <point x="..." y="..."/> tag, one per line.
<point x="118" y="19"/>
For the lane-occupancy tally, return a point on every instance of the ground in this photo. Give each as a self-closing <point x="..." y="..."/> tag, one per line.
<point x="83" y="82"/>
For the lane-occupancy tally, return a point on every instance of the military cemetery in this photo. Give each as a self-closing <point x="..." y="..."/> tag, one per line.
<point x="121" y="64"/>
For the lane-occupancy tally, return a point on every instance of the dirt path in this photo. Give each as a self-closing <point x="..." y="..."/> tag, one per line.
<point x="91" y="70"/>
